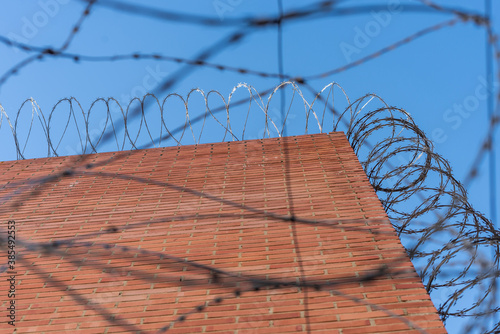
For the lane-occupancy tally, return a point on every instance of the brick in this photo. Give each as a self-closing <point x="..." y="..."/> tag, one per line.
<point x="65" y="289"/>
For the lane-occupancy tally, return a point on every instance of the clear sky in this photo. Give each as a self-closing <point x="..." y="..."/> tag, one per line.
<point x="438" y="78"/>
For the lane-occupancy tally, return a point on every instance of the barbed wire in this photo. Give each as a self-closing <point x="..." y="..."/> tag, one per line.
<point x="424" y="200"/>
<point x="240" y="70"/>
<point x="441" y="233"/>
<point x="250" y="26"/>
<point x="47" y="51"/>
<point x="326" y="8"/>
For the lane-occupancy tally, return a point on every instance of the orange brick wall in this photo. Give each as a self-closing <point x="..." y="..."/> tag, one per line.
<point x="222" y="205"/>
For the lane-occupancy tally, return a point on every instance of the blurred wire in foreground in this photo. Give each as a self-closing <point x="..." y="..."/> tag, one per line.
<point x="449" y="242"/>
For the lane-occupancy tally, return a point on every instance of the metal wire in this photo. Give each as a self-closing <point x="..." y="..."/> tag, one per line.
<point x="441" y="231"/>
<point x="454" y="247"/>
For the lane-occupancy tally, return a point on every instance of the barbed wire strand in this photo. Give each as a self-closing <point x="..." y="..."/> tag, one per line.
<point x="366" y="123"/>
<point x="470" y="230"/>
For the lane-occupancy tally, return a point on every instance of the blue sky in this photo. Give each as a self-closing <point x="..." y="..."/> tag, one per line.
<point x="439" y="78"/>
